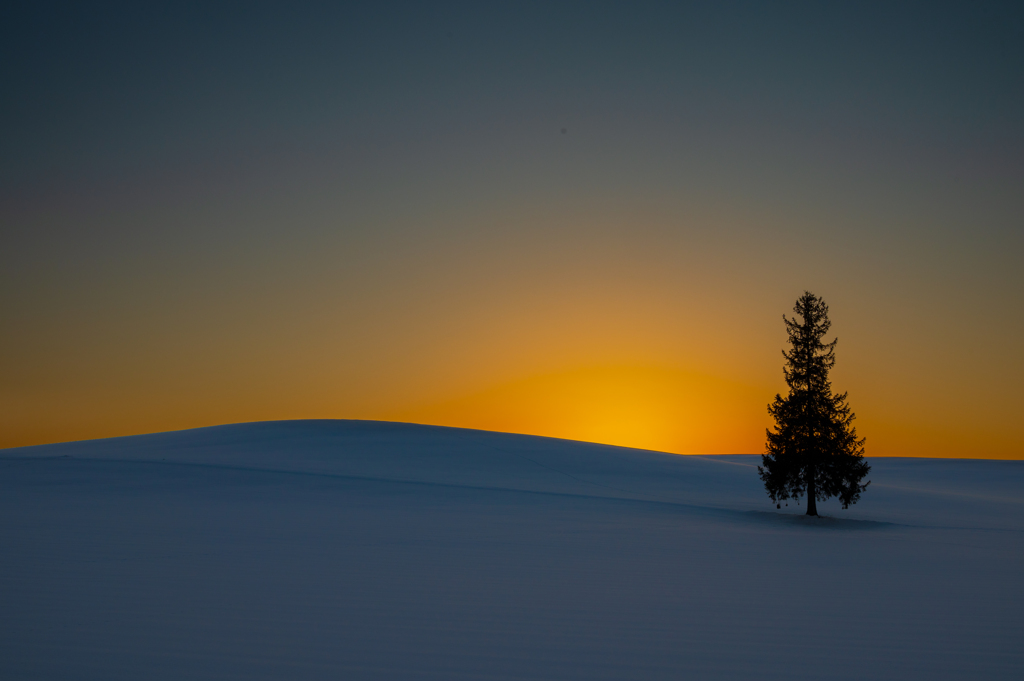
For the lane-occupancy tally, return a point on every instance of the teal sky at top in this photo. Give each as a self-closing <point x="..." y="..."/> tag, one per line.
<point x="159" y="159"/>
<point x="102" y="89"/>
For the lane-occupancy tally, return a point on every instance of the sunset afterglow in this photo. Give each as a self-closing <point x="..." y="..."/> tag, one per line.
<point x="518" y="219"/>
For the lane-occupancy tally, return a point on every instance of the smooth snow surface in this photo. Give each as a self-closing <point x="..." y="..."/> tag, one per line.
<point x="364" y="550"/>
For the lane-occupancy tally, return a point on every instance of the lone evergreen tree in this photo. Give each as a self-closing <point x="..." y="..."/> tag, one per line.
<point x="814" y="448"/>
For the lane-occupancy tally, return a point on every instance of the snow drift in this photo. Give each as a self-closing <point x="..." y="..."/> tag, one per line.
<point x="367" y="550"/>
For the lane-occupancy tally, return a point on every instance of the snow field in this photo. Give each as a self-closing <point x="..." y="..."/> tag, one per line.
<point x="366" y="550"/>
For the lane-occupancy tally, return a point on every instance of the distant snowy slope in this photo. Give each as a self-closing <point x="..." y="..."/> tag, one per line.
<point x="370" y="550"/>
<point x="936" y="491"/>
<point x="431" y="454"/>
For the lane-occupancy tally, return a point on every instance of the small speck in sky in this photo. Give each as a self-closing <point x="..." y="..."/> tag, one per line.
<point x="565" y="130"/>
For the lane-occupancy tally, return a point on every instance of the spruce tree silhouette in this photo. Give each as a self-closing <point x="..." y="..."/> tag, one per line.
<point x="814" y="448"/>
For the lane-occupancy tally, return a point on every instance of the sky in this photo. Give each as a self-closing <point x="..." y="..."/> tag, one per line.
<point x="579" y="220"/>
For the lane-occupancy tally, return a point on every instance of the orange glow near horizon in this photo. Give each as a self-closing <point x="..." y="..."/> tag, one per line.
<point x="644" y="406"/>
<point x="632" y="406"/>
<point x="606" y="324"/>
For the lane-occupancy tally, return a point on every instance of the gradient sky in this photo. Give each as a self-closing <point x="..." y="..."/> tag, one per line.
<point x="583" y="220"/>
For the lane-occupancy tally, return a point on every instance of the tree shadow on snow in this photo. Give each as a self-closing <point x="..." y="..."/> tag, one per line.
<point x="822" y="522"/>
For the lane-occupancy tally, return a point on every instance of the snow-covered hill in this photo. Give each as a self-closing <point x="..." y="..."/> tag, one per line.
<point x="368" y="550"/>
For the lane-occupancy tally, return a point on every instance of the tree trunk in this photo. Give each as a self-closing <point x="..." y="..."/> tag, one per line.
<point x="812" y="505"/>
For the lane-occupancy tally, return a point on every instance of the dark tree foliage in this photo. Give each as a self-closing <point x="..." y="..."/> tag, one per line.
<point x="814" y="449"/>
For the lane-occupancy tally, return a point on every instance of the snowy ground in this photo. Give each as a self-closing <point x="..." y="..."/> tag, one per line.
<point x="362" y="550"/>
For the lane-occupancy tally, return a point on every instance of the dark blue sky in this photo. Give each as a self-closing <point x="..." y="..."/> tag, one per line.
<point x="100" y="86"/>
